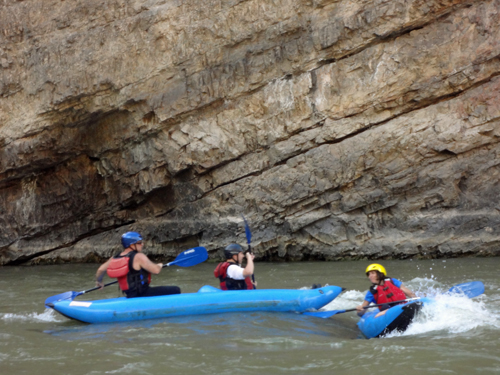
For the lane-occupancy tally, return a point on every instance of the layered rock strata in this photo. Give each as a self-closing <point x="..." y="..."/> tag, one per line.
<point x="340" y="129"/>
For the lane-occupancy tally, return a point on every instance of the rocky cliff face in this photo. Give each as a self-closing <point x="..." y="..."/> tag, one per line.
<point x="339" y="128"/>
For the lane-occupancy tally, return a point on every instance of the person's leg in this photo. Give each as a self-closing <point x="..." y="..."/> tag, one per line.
<point x="161" y="291"/>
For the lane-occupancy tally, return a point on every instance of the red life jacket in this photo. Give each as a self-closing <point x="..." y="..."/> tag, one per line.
<point x="227" y="283"/>
<point x="129" y="279"/>
<point x="387" y="293"/>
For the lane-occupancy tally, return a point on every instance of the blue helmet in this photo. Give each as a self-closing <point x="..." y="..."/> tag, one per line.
<point x="130" y="238"/>
<point x="232" y="249"/>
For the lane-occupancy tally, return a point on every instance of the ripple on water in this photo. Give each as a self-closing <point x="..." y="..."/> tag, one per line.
<point x="47" y="316"/>
<point x="129" y="368"/>
<point x="279" y="343"/>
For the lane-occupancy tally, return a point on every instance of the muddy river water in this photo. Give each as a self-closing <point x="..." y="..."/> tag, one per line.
<point x="456" y="335"/>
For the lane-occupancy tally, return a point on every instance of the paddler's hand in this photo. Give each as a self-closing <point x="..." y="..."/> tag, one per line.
<point x="249" y="256"/>
<point x="360" y="310"/>
<point x="99" y="277"/>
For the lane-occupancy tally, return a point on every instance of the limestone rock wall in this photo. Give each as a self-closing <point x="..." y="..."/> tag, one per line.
<point x="339" y="128"/>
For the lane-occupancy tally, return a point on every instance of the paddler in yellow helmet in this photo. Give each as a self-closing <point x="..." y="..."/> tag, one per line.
<point x="384" y="290"/>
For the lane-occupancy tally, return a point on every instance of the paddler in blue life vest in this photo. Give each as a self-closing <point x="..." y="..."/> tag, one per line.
<point x="133" y="270"/>
<point x="230" y="273"/>
<point x="383" y="290"/>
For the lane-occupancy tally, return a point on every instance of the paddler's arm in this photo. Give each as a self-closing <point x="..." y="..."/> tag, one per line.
<point x="101" y="271"/>
<point x="407" y="292"/>
<point x="142" y="261"/>
<point x="248" y="270"/>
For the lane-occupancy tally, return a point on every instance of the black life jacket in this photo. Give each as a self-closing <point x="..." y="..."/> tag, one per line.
<point x="133" y="283"/>
<point x="227" y="283"/>
<point x="387" y="293"/>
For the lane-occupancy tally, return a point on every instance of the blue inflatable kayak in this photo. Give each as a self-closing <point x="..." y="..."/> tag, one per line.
<point x="399" y="317"/>
<point x="396" y="319"/>
<point x="208" y="300"/>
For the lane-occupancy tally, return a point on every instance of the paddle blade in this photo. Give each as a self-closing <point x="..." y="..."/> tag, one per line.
<point x="471" y="289"/>
<point x="247" y="230"/>
<point x="190" y="257"/>
<point x="324" y="314"/>
<point x="61" y="297"/>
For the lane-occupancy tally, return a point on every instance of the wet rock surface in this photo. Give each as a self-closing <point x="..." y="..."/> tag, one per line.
<point x="340" y="129"/>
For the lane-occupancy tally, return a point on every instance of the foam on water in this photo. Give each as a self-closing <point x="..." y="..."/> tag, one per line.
<point x="452" y="314"/>
<point x="352" y="298"/>
<point x="47" y="316"/>
<point x="347" y="300"/>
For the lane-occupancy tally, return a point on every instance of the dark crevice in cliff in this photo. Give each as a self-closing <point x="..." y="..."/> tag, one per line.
<point x="33" y="169"/>
<point x="27" y="258"/>
<point x="314" y="82"/>
<point x="155" y="203"/>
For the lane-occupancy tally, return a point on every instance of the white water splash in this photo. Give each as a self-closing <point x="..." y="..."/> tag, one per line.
<point x="453" y="314"/>
<point x="47" y="316"/>
<point x="347" y="300"/>
<point x="427" y="287"/>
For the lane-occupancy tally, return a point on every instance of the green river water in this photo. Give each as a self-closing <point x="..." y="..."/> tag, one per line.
<point x="455" y="336"/>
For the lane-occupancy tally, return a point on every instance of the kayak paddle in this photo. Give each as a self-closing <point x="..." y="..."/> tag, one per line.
<point x="187" y="258"/>
<point x="327" y="314"/>
<point x="249" y="239"/>
<point x="471" y="290"/>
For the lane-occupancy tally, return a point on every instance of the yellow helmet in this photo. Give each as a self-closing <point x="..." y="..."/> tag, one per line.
<point x="375" y="267"/>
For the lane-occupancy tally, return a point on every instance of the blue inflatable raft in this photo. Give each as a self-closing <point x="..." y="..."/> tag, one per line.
<point x="208" y="300"/>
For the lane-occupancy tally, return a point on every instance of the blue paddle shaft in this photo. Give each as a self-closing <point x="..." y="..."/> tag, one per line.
<point x="248" y="234"/>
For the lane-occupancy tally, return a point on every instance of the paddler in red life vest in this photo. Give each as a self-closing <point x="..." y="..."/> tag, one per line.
<point x="133" y="270"/>
<point x="231" y="275"/>
<point x="383" y="290"/>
